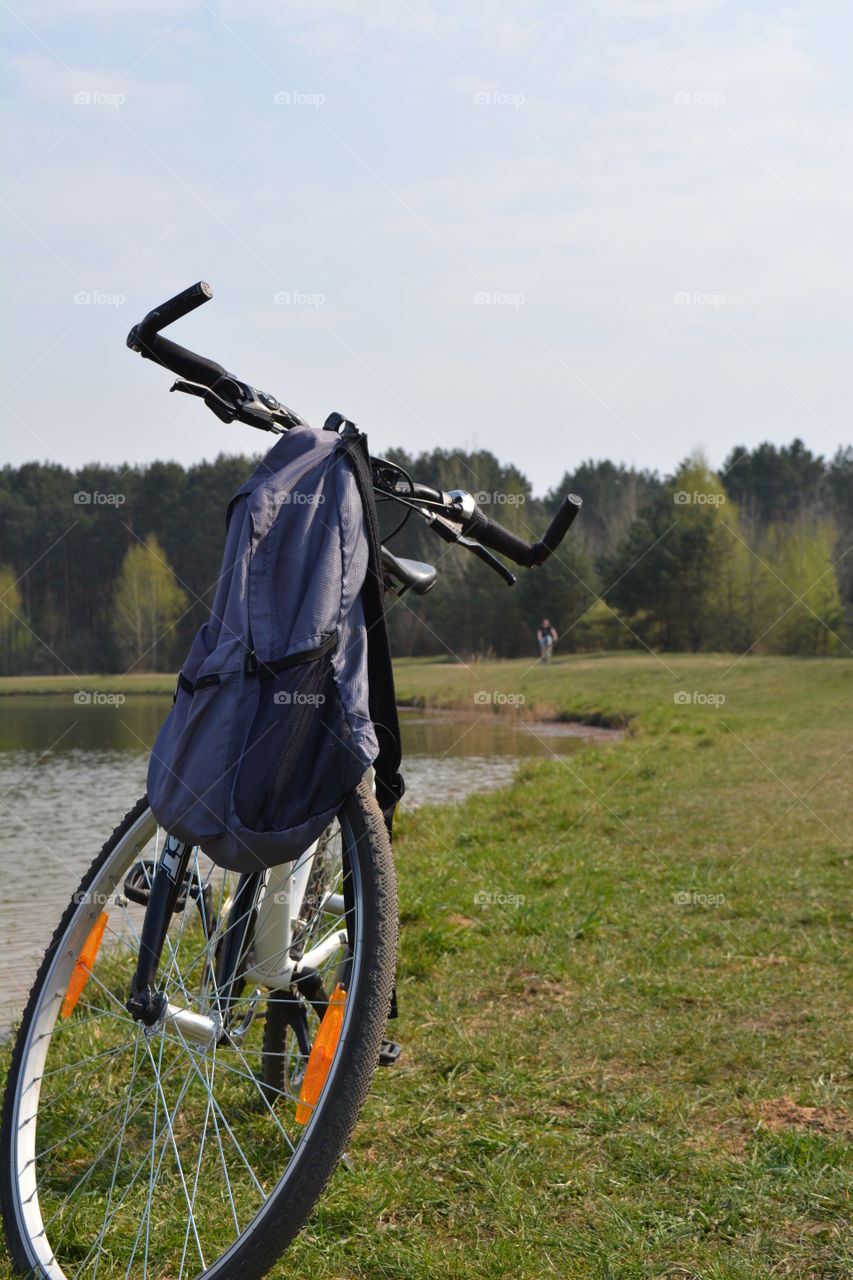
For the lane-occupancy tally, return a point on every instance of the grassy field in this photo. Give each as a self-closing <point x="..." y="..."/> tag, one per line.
<point x="137" y="682"/>
<point x="625" y="991"/>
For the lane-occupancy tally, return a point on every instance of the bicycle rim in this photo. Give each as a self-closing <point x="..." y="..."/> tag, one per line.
<point x="149" y="1153"/>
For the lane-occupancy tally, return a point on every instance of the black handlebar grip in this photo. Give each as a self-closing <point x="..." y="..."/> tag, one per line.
<point x="557" y="529"/>
<point x="494" y="536"/>
<point x="168" y="312"/>
<point x="186" y="364"/>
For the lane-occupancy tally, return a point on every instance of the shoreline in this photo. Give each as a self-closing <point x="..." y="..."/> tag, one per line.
<point x="606" y="725"/>
<point x="557" y="723"/>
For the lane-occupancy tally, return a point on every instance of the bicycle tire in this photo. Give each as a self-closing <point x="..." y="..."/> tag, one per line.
<point x="264" y="1238"/>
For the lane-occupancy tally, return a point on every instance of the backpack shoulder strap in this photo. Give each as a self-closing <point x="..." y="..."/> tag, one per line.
<point x="380" y="673"/>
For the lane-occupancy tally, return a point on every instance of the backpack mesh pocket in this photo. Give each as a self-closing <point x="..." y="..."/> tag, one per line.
<point x="300" y="758"/>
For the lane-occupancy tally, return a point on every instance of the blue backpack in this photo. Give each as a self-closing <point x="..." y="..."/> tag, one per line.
<point x="287" y="695"/>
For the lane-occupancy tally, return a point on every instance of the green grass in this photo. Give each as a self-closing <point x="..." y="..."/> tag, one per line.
<point x="611" y="975"/>
<point x="136" y="682"/>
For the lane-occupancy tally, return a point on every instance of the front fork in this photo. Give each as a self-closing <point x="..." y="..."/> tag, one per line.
<point x="144" y="1003"/>
<point x="148" y="1005"/>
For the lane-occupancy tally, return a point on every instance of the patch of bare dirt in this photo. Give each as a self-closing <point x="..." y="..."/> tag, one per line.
<point x="778" y="1114"/>
<point x="529" y="993"/>
<point x="543" y="989"/>
<point x="739" y="963"/>
<point x="773" y="1020"/>
<point x="727" y="1135"/>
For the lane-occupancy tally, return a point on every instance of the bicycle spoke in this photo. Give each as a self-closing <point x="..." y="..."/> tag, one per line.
<point x="119" y="1147"/>
<point x="133" y="1179"/>
<point x="195" y="1183"/>
<point x="107" y="1143"/>
<point x="136" y="1123"/>
<point x="177" y="1156"/>
<point x="221" y="1150"/>
<point x="228" y="1128"/>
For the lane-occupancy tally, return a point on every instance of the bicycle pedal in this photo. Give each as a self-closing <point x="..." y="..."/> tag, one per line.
<point x="389" y="1052"/>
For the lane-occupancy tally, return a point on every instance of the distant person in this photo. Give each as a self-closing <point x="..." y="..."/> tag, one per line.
<point x="546" y="635"/>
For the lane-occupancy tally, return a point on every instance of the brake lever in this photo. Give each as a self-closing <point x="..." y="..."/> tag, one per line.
<point x="255" y="408"/>
<point x="483" y="553"/>
<point x="191" y="388"/>
<point x="449" y="533"/>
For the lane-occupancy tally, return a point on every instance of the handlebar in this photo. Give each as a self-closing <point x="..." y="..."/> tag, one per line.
<point x="145" y="338"/>
<point x="493" y="535"/>
<point x="455" y="516"/>
<point x="168" y="312"/>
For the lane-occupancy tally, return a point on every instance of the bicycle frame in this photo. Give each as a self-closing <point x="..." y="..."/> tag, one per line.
<point x="453" y="516"/>
<point x="278" y="909"/>
<point x="270" y="909"/>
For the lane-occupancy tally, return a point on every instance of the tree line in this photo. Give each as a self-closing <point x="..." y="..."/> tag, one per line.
<point x="114" y="568"/>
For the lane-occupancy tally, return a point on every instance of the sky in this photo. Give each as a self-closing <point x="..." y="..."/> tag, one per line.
<point x="558" y="231"/>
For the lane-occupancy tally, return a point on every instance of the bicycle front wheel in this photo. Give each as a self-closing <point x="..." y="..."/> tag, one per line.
<point x="133" y="1151"/>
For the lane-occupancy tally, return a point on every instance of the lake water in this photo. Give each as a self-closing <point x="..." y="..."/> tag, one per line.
<point x="69" y="773"/>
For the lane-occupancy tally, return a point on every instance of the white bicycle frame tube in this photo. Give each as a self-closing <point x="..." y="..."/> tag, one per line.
<point x="278" y="912"/>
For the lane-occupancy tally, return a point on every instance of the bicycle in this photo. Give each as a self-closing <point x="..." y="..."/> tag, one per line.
<point x="192" y="1133"/>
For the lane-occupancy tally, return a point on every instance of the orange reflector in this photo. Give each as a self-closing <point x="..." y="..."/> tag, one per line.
<point x="321" y="1056"/>
<point x="83" y="967"/>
